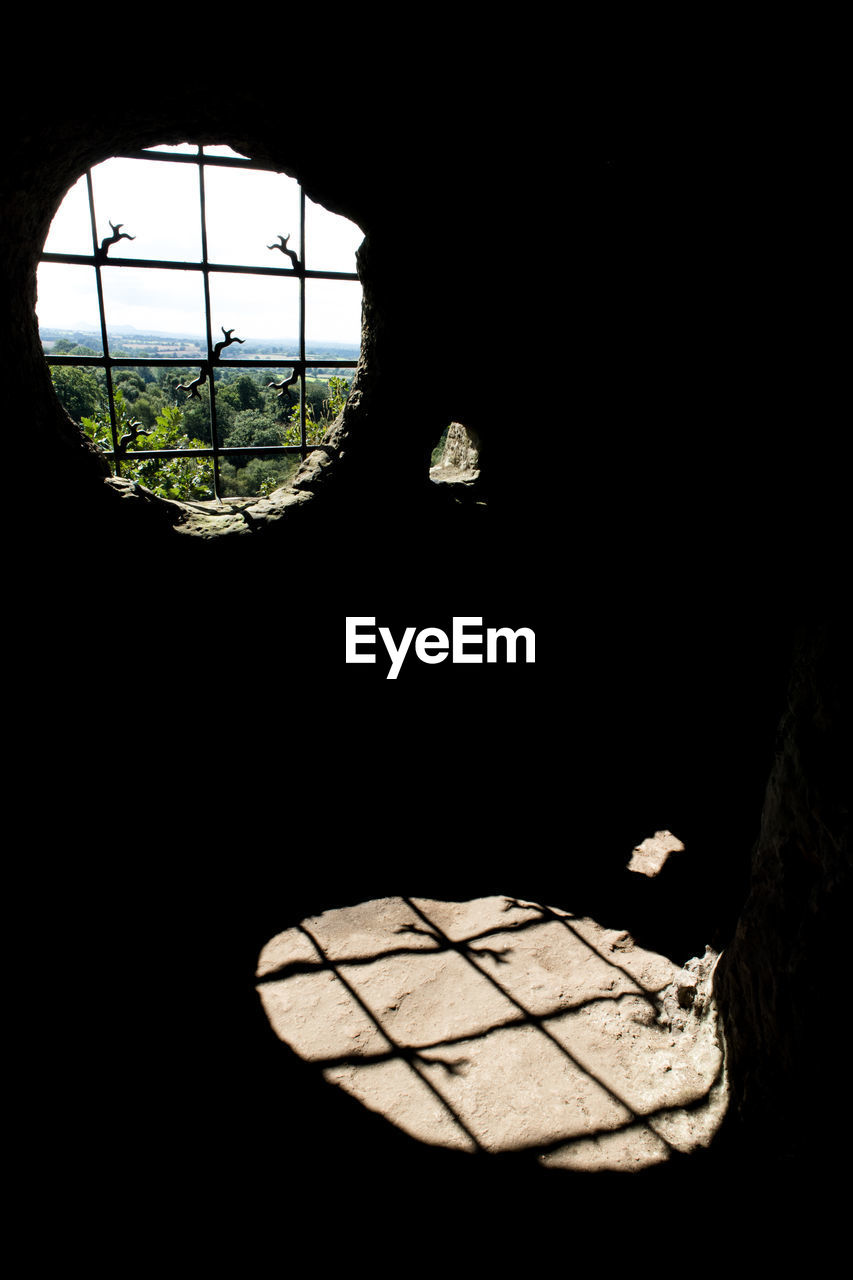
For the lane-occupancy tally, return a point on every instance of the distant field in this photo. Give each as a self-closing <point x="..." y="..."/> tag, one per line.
<point x="157" y="346"/>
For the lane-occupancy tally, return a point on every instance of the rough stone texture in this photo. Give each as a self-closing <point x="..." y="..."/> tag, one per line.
<point x="666" y="512"/>
<point x="461" y="449"/>
<point x="500" y="1025"/>
<point x="460" y="459"/>
<point x="649" y="857"/>
<point x="778" y="980"/>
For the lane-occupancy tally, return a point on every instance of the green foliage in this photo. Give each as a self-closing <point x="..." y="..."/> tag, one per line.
<point x="438" y="451"/>
<point x="318" y="419"/>
<point x="196" y="414"/>
<point x="131" y="383"/>
<point x="338" y="393"/>
<point x="252" y="427"/>
<point x="67" y="347"/>
<point x="258" y="478"/>
<point x="148" y="407"/>
<point x="248" y="413"/>
<point x="80" y="390"/>
<point x="241" y="392"/>
<point x="167" y="477"/>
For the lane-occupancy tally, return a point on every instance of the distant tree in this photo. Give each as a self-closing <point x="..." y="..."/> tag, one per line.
<point x="131" y="383"/>
<point x="80" y="390"/>
<point x="258" y="478"/>
<point x="149" y="406"/>
<point x="243" y="392"/>
<point x="68" y="347"/>
<point x="196" y="415"/>
<point x="252" y="427"/>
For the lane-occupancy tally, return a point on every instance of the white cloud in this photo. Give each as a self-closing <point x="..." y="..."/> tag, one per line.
<point x="246" y="210"/>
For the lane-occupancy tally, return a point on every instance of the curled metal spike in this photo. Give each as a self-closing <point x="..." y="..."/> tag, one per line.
<point x="291" y="253"/>
<point x="193" y="387"/>
<point x="282" y="387"/>
<point x="134" y="432"/>
<point x="226" y="343"/>
<point x="117" y="235"/>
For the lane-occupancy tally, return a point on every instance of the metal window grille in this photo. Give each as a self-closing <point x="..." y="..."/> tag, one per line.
<point x="101" y="260"/>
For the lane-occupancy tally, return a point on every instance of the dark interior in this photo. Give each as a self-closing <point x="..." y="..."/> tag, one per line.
<point x="661" y="503"/>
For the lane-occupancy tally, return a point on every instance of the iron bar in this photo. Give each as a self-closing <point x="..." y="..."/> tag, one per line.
<point x="207" y="452"/>
<point x="214" y="361"/>
<point x="303" y="416"/>
<point x="168" y="264"/>
<point x="207" y="367"/>
<point x="103" y="318"/>
<point x="192" y="157"/>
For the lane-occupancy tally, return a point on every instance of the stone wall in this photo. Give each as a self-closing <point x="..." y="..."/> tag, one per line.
<point x="674" y="516"/>
<point x="460" y="456"/>
<point x="779" y="979"/>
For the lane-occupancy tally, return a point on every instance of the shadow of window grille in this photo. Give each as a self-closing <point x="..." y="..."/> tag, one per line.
<point x="539" y="1033"/>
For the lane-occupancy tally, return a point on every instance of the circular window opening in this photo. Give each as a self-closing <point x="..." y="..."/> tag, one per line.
<point x="201" y="319"/>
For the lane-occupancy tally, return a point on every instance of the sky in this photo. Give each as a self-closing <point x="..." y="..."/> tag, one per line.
<point x="246" y="210"/>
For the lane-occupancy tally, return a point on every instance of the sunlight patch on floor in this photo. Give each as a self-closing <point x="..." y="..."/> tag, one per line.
<point x="650" y="857"/>
<point x="503" y="1025"/>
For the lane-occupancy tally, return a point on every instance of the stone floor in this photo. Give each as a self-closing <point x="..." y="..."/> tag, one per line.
<point x="499" y="1025"/>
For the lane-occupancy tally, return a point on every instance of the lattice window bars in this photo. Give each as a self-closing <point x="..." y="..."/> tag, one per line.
<point x="101" y="258"/>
